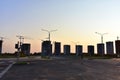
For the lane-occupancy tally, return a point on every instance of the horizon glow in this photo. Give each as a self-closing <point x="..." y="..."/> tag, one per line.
<point x="75" y="20"/>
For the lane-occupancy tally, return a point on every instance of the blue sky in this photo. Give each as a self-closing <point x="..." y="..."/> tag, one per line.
<point x="75" y="20"/>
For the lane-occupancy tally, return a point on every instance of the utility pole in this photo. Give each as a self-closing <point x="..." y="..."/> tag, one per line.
<point x="19" y="45"/>
<point x="49" y="36"/>
<point x="101" y="34"/>
<point x="21" y="40"/>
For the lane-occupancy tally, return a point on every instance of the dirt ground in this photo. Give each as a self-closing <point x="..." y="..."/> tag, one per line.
<point x="65" y="69"/>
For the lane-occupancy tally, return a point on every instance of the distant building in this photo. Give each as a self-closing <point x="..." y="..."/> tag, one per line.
<point x="25" y="48"/>
<point x="109" y="48"/>
<point x="79" y="50"/>
<point x="1" y="46"/>
<point x="57" y="48"/>
<point x="67" y="49"/>
<point x="100" y="49"/>
<point x="46" y="48"/>
<point x="117" y="45"/>
<point x="91" y="50"/>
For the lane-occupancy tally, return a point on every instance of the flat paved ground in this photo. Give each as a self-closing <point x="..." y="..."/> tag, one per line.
<point x="65" y="69"/>
<point x="4" y="64"/>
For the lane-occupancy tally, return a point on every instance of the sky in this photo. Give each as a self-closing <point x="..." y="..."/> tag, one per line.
<point x="74" y="20"/>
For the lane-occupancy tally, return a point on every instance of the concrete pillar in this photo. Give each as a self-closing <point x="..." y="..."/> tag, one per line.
<point x="25" y="48"/>
<point x="100" y="49"/>
<point x="109" y="48"/>
<point x="46" y="48"/>
<point x="79" y="50"/>
<point x="91" y="50"/>
<point x="57" y="48"/>
<point x="67" y="49"/>
<point x="117" y="46"/>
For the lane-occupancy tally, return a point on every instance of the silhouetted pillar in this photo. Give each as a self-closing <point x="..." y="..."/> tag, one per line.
<point x="25" y="48"/>
<point x="90" y="50"/>
<point x="67" y="49"/>
<point x="100" y="49"/>
<point x="109" y="48"/>
<point x="46" y="48"/>
<point x="117" y="45"/>
<point x="1" y="46"/>
<point x="57" y="48"/>
<point x="79" y="50"/>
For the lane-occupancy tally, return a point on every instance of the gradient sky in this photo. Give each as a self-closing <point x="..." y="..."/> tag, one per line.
<point x="75" y="20"/>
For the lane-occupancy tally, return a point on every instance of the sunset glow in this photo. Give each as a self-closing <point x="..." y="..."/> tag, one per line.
<point x="75" y="20"/>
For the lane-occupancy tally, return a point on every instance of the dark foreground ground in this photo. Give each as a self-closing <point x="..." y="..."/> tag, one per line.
<point x="65" y="69"/>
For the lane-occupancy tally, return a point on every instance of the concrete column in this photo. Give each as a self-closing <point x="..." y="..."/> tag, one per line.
<point x="67" y="49"/>
<point x="91" y="50"/>
<point x="100" y="49"/>
<point x="79" y="50"/>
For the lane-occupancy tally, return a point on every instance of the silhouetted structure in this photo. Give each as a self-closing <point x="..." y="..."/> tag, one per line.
<point x="100" y="49"/>
<point x="46" y="48"/>
<point x="57" y="49"/>
<point x="67" y="49"/>
<point x="90" y="50"/>
<point x="25" y="48"/>
<point x="109" y="48"/>
<point x="117" y="45"/>
<point x="79" y="50"/>
<point x="1" y="41"/>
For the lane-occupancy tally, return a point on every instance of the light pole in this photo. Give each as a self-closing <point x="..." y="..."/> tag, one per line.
<point x="48" y="32"/>
<point x="101" y="34"/>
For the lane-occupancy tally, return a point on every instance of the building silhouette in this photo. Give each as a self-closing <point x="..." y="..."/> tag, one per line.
<point x="57" y="48"/>
<point x="117" y="46"/>
<point x="46" y="48"/>
<point x="25" y="48"/>
<point x="67" y="49"/>
<point x="1" y="41"/>
<point x="109" y="48"/>
<point x="79" y="50"/>
<point x="91" y="50"/>
<point x="100" y="49"/>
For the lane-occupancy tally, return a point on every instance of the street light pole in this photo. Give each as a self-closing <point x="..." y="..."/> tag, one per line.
<point x="101" y="34"/>
<point x="48" y="32"/>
